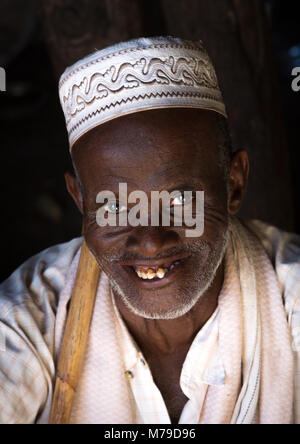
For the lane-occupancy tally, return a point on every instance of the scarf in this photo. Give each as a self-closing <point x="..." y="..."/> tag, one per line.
<point x="254" y="341"/>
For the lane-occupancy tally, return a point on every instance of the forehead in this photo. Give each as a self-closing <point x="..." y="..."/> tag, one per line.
<point x="150" y="146"/>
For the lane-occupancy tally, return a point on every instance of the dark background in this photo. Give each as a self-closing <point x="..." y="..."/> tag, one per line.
<point x="254" y="45"/>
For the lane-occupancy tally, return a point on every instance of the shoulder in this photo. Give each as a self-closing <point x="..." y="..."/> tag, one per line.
<point x="283" y="249"/>
<point x="28" y="304"/>
<point x="41" y="276"/>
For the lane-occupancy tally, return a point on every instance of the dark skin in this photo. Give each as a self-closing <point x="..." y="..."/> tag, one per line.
<point x="159" y="150"/>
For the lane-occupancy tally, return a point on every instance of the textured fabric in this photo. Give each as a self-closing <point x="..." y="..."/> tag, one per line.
<point x="98" y="400"/>
<point x="28" y="305"/>
<point x="202" y="366"/>
<point x="142" y="74"/>
<point x="253" y="339"/>
<point x="220" y="400"/>
<point x="29" y="322"/>
<point x="266" y="395"/>
<point x="283" y="250"/>
<point x="219" y="351"/>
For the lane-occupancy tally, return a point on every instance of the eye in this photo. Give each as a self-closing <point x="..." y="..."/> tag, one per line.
<point x="181" y="199"/>
<point x="114" y="207"/>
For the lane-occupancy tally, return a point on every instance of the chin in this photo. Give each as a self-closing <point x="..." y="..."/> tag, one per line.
<point x="168" y="298"/>
<point x="169" y="287"/>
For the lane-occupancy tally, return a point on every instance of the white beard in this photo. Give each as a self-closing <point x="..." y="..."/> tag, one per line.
<point x="203" y="285"/>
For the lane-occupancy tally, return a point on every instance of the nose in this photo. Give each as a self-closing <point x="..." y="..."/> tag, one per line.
<point x="150" y="241"/>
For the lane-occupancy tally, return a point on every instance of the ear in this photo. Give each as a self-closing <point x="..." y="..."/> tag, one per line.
<point x="238" y="180"/>
<point x="74" y="190"/>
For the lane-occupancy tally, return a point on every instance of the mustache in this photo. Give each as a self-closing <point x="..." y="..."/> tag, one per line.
<point x="197" y="246"/>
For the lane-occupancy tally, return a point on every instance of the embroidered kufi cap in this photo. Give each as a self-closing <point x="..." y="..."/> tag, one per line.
<point x="138" y="75"/>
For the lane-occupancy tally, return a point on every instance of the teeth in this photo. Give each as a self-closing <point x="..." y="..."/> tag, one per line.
<point x="144" y="275"/>
<point x="149" y="273"/>
<point x="174" y="265"/>
<point x="160" y="273"/>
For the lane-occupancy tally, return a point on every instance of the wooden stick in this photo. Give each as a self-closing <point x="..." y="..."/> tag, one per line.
<point x="75" y="337"/>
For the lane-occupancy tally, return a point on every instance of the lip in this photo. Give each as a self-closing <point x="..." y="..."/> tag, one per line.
<point x="166" y="262"/>
<point x="156" y="282"/>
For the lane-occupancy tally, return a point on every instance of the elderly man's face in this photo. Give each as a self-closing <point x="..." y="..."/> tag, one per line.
<point x="154" y="151"/>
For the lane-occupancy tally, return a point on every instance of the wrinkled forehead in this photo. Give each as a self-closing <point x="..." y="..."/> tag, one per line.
<point x="158" y="129"/>
<point x="152" y="145"/>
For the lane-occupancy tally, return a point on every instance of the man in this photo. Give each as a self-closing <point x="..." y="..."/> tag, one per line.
<point x="185" y="329"/>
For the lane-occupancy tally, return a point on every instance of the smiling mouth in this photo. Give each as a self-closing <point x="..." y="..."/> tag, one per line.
<point x="154" y="272"/>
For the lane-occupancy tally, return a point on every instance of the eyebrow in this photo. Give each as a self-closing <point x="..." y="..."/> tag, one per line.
<point x="119" y="179"/>
<point x="191" y="186"/>
<point x="193" y="183"/>
<point x="184" y="186"/>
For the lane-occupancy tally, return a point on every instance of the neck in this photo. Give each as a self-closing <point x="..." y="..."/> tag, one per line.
<point x="166" y="337"/>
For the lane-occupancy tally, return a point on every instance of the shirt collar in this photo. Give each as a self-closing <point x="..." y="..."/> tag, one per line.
<point x="130" y="350"/>
<point x="203" y="363"/>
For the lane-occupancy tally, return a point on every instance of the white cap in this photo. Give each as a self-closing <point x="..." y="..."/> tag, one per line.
<point x="138" y="75"/>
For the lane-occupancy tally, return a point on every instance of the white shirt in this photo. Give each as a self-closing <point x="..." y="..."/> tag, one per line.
<point x="28" y="306"/>
<point x="202" y="366"/>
